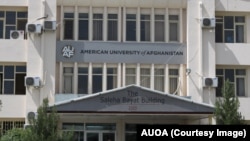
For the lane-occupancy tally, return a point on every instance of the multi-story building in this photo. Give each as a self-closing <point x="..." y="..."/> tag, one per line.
<point x="109" y="65"/>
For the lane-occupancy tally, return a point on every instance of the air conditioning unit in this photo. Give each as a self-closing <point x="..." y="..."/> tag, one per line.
<point x="34" y="28"/>
<point x="49" y="25"/>
<point x="208" y="22"/>
<point x="17" y="34"/>
<point x="32" y="115"/>
<point x="32" y="81"/>
<point x="210" y="82"/>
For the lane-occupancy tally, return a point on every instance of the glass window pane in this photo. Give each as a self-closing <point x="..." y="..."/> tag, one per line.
<point x="9" y="72"/>
<point x="159" y="31"/>
<point x="240" y="72"/>
<point x="10" y="17"/>
<point x="229" y="36"/>
<point x="19" y="84"/>
<point x="68" y="29"/>
<point x="1" y="68"/>
<point x="21" y="24"/>
<point x="112" y="16"/>
<point x="219" y="33"/>
<point x="145" y="30"/>
<point x="1" y="83"/>
<point x="83" y="30"/>
<point x="83" y="15"/>
<point x="82" y="84"/>
<point x="173" y="72"/>
<point x="159" y="83"/>
<point x="131" y="16"/>
<point x="240" y="19"/>
<point x="173" y="31"/>
<point x="97" y="29"/>
<point x="229" y="74"/>
<point x="7" y="31"/>
<point x="1" y="29"/>
<point x="229" y="22"/>
<point x="240" y="86"/>
<point x="219" y="72"/>
<point x="97" y="83"/>
<point x="101" y="126"/>
<point x="67" y="70"/>
<point x="92" y="137"/>
<point x="83" y="70"/>
<point x="22" y="14"/>
<point x="97" y="16"/>
<point x="108" y="137"/>
<point x="68" y="15"/>
<point x="173" y="83"/>
<point x="68" y="84"/>
<point x="8" y="87"/>
<point x="174" y="17"/>
<point x="112" y="30"/>
<point x="1" y="14"/>
<point x="239" y="33"/>
<point x="220" y="85"/>
<point x="20" y="68"/>
<point x="97" y="71"/>
<point x="73" y="126"/>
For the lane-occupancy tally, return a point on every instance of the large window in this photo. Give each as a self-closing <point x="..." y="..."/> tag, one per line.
<point x="97" y="79"/>
<point x="230" y="29"/>
<point x="83" y="27"/>
<point x="145" y="77"/>
<point x="159" y="79"/>
<point x="236" y="77"/>
<point x="145" y="27"/>
<point x="98" y="27"/>
<point x="173" y="28"/>
<point x="130" y="76"/>
<point x="68" y="26"/>
<point x="12" y="20"/>
<point x="131" y="27"/>
<point x="173" y="80"/>
<point x="12" y="79"/>
<point x="82" y="80"/>
<point x="68" y="79"/>
<point x="111" y="78"/>
<point x="159" y="28"/>
<point x="8" y="125"/>
<point x="112" y="27"/>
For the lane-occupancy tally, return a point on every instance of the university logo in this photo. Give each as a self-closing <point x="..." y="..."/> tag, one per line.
<point x="68" y="51"/>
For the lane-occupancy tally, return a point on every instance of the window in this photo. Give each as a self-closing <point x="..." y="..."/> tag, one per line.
<point x="111" y="78"/>
<point x="12" y="20"/>
<point x="145" y="27"/>
<point x="12" y="79"/>
<point x="236" y="77"/>
<point x="130" y="132"/>
<point x="82" y="80"/>
<point x="68" y="79"/>
<point x="97" y="80"/>
<point x="173" y="80"/>
<point x="78" y="129"/>
<point x="130" y="76"/>
<point x="230" y="29"/>
<point x="97" y="27"/>
<point x="145" y="77"/>
<point x="83" y="30"/>
<point x="159" y="79"/>
<point x="173" y="28"/>
<point x="131" y="27"/>
<point x="159" y="28"/>
<point x="112" y="27"/>
<point x="8" y="125"/>
<point x="68" y="26"/>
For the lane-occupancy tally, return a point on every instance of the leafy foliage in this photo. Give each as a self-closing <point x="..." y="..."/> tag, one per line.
<point x="44" y="127"/>
<point x="226" y="108"/>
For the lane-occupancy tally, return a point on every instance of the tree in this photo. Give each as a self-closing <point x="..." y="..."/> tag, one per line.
<point x="44" y="127"/>
<point x="226" y="108"/>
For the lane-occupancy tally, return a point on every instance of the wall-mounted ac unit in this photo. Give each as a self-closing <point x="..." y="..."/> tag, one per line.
<point x="210" y="82"/>
<point x="208" y="22"/>
<point x="49" y="25"/>
<point x="17" y="34"/>
<point x="32" y="115"/>
<point x="34" y="28"/>
<point x="32" y="81"/>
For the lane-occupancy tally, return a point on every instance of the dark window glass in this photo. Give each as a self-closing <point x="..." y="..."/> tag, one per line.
<point x="1" y="29"/>
<point x="145" y="28"/>
<point x="8" y="87"/>
<point x="68" y="29"/>
<point x="9" y="72"/>
<point x="97" y="70"/>
<point x="7" y="31"/>
<point x="229" y="36"/>
<point x="11" y="18"/>
<point x="19" y="83"/>
<point x="82" y="84"/>
<point x="220" y="85"/>
<point x="173" y="17"/>
<point x="131" y="31"/>
<point x="229" y="22"/>
<point x="240" y="19"/>
<point x="1" y="68"/>
<point x="20" y="68"/>
<point x="239" y="33"/>
<point x="92" y="137"/>
<point x="69" y="15"/>
<point x="240" y="72"/>
<point x="240" y="86"/>
<point x="1" y="14"/>
<point x="22" y="14"/>
<point x="83" y="30"/>
<point x="1" y="83"/>
<point x="83" y="15"/>
<point x="219" y="72"/>
<point x="83" y="70"/>
<point x="97" y="27"/>
<point x="21" y="24"/>
<point x="229" y="75"/>
<point x="112" y="27"/>
<point x="219" y="33"/>
<point x="97" y="83"/>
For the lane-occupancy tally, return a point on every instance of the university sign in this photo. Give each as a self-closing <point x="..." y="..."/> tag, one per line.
<point x="161" y="53"/>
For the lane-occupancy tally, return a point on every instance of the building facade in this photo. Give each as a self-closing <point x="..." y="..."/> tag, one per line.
<point x="110" y="65"/>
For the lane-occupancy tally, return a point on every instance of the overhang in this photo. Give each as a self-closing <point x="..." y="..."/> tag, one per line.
<point x="134" y="100"/>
